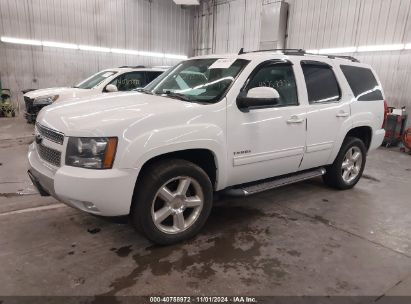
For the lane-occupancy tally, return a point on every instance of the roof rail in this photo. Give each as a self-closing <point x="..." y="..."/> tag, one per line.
<point x="353" y="59"/>
<point x="285" y="51"/>
<point x="133" y="67"/>
<point x="301" y="52"/>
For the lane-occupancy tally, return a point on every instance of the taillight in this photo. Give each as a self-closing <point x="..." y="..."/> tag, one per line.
<point x="385" y="113"/>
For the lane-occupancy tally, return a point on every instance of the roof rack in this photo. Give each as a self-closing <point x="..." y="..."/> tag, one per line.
<point x="285" y="51"/>
<point x="300" y="52"/>
<point x="133" y="67"/>
<point x="353" y="59"/>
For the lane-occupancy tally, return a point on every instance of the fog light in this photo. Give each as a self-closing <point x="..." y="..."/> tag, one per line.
<point x="90" y="206"/>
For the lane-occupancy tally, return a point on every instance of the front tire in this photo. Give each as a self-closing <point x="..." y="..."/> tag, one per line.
<point x="172" y="201"/>
<point x="349" y="165"/>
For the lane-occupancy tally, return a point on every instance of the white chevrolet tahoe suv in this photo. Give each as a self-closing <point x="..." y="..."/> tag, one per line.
<point x="237" y="124"/>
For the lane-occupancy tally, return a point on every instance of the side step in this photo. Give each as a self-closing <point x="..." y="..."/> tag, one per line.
<point x="256" y="187"/>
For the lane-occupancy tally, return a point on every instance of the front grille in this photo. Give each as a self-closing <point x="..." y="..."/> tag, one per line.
<point x="50" y="134"/>
<point x="49" y="155"/>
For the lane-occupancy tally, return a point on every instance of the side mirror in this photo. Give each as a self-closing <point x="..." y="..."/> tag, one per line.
<point x="111" y="88"/>
<point x="259" y="97"/>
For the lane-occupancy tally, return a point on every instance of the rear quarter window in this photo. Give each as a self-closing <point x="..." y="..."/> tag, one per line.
<point x="362" y="82"/>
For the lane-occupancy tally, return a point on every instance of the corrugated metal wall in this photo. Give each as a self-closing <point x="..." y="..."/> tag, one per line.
<point x="315" y="24"/>
<point x="155" y="25"/>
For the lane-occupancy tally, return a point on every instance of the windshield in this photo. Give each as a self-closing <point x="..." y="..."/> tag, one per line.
<point x="200" y="80"/>
<point x="95" y="80"/>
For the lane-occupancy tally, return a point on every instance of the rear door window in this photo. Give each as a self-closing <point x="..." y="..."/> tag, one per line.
<point x="362" y="82"/>
<point x="322" y="85"/>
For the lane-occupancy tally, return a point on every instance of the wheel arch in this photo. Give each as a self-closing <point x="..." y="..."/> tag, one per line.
<point x="364" y="133"/>
<point x="202" y="157"/>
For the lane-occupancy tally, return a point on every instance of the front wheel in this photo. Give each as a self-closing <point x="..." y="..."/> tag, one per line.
<point x="172" y="201"/>
<point x="349" y="165"/>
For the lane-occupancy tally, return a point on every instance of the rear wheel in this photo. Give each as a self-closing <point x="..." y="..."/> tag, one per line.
<point x="349" y="165"/>
<point x="172" y="201"/>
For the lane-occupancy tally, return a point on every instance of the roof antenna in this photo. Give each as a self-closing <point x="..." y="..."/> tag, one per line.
<point x="241" y="51"/>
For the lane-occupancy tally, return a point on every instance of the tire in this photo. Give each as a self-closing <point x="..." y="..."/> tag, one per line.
<point x="337" y="176"/>
<point x="185" y="184"/>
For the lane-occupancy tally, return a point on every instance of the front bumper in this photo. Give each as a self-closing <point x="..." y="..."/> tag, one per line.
<point x="102" y="192"/>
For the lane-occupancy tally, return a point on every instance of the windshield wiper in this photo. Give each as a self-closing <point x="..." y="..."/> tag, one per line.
<point x="177" y="95"/>
<point x="144" y="91"/>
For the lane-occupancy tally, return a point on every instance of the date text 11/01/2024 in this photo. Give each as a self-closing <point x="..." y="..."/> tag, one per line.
<point x="203" y="299"/>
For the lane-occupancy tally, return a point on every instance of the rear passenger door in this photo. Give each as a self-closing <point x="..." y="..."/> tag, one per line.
<point x="328" y="112"/>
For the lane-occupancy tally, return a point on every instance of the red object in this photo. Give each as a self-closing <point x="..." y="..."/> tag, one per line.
<point x="406" y="139"/>
<point x="385" y="113"/>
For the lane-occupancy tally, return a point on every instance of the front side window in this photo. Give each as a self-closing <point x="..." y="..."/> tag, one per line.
<point x="199" y="80"/>
<point x="129" y="81"/>
<point x="279" y="76"/>
<point x="322" y="86"/>
<point x="95" y="80"/>
<point x="362" y="82"/>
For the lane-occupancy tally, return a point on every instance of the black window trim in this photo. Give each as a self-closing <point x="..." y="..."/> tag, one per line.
<point x="268" y="62"/>
<point x="321" y="63"/>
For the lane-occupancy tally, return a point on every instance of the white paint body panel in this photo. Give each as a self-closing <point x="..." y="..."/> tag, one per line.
<point x="246" y="146"/>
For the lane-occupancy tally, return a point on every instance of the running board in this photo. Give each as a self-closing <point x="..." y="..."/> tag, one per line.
<point x="253" y="188"/>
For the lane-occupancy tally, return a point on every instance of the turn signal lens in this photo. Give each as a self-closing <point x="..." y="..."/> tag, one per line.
<point x="110" y="153"/>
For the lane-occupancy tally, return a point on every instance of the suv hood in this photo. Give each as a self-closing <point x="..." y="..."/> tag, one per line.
<point x="64" y="93"/>
<point x="112" y="115"/>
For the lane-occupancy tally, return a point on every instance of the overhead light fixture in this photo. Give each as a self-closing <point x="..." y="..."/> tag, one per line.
<point x="187" y="2"/>
<point x="351" y="49"/>
<point x="312" y="51"/>
<point x="90" y="48"/>
<point x="20" y="41"/>
<point x="383" y="47"/>
<point x="60" y="45"/>
<point x="174" y="56"/>
<point x="151" y="54"/>
<point x="126" y="52"/>
<point x="408" y="46"/>
<point x="93" y="48"/>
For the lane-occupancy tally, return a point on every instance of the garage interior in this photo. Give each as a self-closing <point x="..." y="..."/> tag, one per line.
<point x="303" y="239"/>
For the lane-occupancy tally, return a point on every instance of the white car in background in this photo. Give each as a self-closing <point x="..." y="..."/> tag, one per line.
<point x="124" y="78"/>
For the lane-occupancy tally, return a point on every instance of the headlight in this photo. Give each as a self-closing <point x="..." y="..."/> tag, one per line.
<point x="45" y="100"/>
<point x="91" y="152"/>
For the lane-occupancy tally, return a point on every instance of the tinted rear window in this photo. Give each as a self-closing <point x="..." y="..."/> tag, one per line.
<point x="322" y="86"/>
<point x="362" y="82"/>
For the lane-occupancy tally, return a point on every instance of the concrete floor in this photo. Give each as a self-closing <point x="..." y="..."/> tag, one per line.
<point x="303" y="239"/>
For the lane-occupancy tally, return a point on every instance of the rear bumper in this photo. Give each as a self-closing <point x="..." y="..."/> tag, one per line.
<point x="102" y="192"/>
<point x="377" y="139"/>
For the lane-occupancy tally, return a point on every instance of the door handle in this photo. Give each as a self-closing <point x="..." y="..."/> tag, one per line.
<point x="342" y="114"/>
<point x="295" y="119"/>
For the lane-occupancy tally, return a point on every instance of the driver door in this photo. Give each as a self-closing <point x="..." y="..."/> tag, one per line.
<point x="267" y="142"/>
